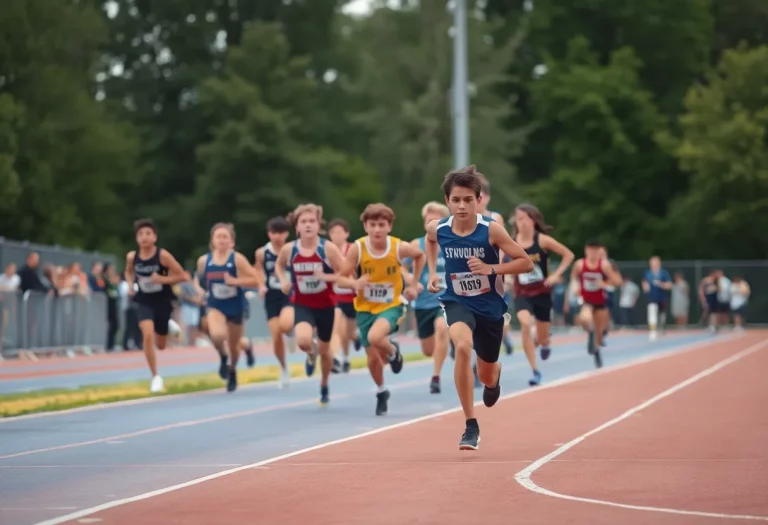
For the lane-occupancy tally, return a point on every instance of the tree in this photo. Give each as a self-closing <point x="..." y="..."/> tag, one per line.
<point x="723" y="148"/>
<point x="608" y="177"/>
<point x="261" y="160"/>
<point x="63" y="161"/>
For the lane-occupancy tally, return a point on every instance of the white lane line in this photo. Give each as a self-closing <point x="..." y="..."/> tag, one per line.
<point x="567" y="380"/>
<point x="524" y="476"/>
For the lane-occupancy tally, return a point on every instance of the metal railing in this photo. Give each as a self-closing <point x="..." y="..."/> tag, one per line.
<point x="16" y="252"/>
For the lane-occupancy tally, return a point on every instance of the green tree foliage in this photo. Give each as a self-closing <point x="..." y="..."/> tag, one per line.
<point x="608" y="178"/>
<point x="63" y="160"/>
<point x="723" y="147"/>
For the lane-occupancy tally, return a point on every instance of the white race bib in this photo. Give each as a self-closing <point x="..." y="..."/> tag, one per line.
<point x="379" y="292"/>
<point x="147" y="286"/>
<point x="338" y="290"/>
<point x="536" y="276"/>
<point x="592" y="282"/>
<point x="468" y="285"/>
<point x="309" y="284"/>
<point x="273" y="282"/>
<point x="223" y="291"/>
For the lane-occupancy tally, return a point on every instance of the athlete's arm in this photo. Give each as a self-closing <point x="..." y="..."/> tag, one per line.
<point x="129" y="277"/>
<point x="247" y="276"/>
<point x="344" y="277"/>
<point x="351" y="261"/>
<point x="176" y="273"/>
<point x="566" y="256"/>
<point x="431" y="251"/>
<point x="258" y="265"/>
<point x="498" y="237"/>
<point x="666" y="281"/>
<point x="613" y="276"/>
<point x="409" y="251"/>
<point x="282" y="262"/>
<point x="407" y="266"/>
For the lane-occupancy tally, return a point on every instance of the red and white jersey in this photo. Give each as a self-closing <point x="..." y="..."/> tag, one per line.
<point x="308" y="290"/>
<point x="591" y="280"/>
<point x="344" y="295"/>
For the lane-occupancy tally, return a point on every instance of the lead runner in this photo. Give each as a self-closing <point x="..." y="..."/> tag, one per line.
<point x="473" y="300"/>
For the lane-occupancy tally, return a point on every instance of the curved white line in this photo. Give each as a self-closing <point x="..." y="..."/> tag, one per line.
<point x="524" y="476"/>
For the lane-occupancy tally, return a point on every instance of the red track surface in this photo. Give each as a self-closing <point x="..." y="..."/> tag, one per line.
<point x="701" y="449"/>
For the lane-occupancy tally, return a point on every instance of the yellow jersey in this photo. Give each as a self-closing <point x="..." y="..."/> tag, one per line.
<point x="384" y="288"/>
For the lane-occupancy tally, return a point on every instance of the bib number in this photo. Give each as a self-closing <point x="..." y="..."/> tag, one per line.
<point x="147" y="286"/>
<point x="223" y="291"/>
<point x="309" y="285"/>
<point x="536" y="276"/>
<point x="468" y="285"/>
<point x="338" y="290"/>
<point x="379" y="293"/>
<point x="591" y="285"/>
<point x="273" y="283"/>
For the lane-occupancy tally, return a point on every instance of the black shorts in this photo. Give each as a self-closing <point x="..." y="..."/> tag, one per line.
<point x="487" y="334"/>
<point x="540" y="306"/>
<point x="596" y="306"/>
<point x="320" y="318"/>
<point x="159" y="314"/>
<point x="274" y="302"/>
<point x="721" y="308"/>
<point x="661" y="304"/>
<point x="348" y="309"/>
<point x="425" y="321"/>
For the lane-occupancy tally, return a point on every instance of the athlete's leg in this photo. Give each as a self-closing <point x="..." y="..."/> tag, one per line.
<point x="338" y="340"/>
<point x="278" y="345"/>
<point x="217" y="330"/>
<point x="441" y="344"/>
<point x="161" y="321"/>
<point x="461" y="323"/>
<point x="145" y="318"/>
<point x="234" y="331"/>
<point x="600" y="317"/>
<point x="385" y="324"/>
<point x="525" y="318"/>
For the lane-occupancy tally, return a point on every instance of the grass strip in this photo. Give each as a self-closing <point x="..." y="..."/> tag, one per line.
<point x="52" y="400"/>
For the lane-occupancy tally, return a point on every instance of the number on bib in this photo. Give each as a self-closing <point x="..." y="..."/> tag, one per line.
<point x="535" y="276"/>
<point x="147" y="286"/>
<point x="468" y="285"/>
<point x="223" y="291"/>
<point x="308" y="284"/>
<point x="273" y="282"/>
<point x="592" y="282"/>
<point x="379" y="292"/>
<point x="338" y="290"/>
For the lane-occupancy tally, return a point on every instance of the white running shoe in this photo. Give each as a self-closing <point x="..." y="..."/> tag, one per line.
<point x="285" y="379"/>
<point x="156" y="385"/>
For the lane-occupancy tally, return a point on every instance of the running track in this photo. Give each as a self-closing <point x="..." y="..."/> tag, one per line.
<point x="671" y="432"/>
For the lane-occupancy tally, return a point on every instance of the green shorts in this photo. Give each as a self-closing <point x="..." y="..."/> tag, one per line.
<point x="425" y="321"/>
<point x="365" y="321"/>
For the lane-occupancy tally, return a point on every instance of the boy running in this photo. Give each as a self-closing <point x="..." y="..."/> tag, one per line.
<point x="473" y="300"/>
<point x="430" y="321"/>
<point x="154" y="269"/>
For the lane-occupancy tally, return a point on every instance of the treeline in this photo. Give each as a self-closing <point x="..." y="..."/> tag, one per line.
<point x="644" y="124"/>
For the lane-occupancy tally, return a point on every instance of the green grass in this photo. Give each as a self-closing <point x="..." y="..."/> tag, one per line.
<point x="51" y="400"/>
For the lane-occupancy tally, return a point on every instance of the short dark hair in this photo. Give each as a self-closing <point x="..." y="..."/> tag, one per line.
<point x="144" y="223"/>
<point x="377" y="212"/>
<point x="278" y="225"/>
<point x="339" y="222"/>
<point x="467" y="177"/>
<point x="593" y="243"/>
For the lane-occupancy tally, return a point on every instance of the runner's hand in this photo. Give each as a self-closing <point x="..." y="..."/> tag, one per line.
<point x="229" y="280"/>
<point x="433" y="285"/>
<point x="478" y="267"/>
<point x="285" y="287"/>
<point x="262" y="291"/>
<point x="550" y="281"/>
<point x="156" y="278"/>
<point x="361" y="282"/>
<point x="411" y="292"/>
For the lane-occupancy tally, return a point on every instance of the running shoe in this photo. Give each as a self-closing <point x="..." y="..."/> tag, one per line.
<point x="346" y="367"/>
<point x="250" y="359"/>
<point x="232" y="382"/>
<point x="336" y="367"/>
<point x="434" y="385"/>
<point x="536" y="379"/>
<point x="224" y="367"/>
<point x="396" y="361"/>
<point x="598" y="358"/>
<point x="470" y="440"/>
<point x="381" y="403"/>
<point x="309" y="364"/>
<point x="324" y="397"/>
<point x="545" y="352"/>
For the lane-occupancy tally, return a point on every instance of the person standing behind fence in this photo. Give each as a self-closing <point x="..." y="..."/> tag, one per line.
<point x="680" y="300"/>
<point x="740" y="293"/>
<point x="110" y="281"/>
<point x="29" y="279"/>
<point x="628" y="295"/>
<point x="656" y="283"/>
<point x="154" y="269"/>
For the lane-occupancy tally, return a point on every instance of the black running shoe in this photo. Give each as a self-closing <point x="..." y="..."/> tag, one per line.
<point x="598" y="358"/>
<point x="545" y="352"/>
<point x="491" y="395"/>
<point x="357" y="343"/>
<point x="434" y="385"/>
<point x="324" y="396"/>
<point x="470" y="440"/>
<point x="381" y="403"/>
<point x="224" y="368"/>
<point x="250" y="359"/>
<point x="396" y="362"/>
<point x="347" y="367"/>
<point x="336" y="367"/>
<point x="591" y="343"/>
<point x="232" y="383"/>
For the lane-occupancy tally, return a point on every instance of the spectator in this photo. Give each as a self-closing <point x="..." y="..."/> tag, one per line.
<point x="739" y="299"/>
<point x="29" y="279"/>
<point x="190" y="302"/>
<point x="131" y="332"/>
<point x="681" y="302"/>
<point x="723" y="297"/>
<point x="628" y="295"/>
<point x="96" y="279"/>
<point x="109" y="283"/>
<point x="10" y="281"/>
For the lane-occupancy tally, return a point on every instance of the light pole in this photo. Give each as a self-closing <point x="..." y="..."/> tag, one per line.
<point x="460" y="81"/>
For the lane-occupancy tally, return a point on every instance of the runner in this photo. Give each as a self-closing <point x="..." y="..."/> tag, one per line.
<point x="591" y="275"/>
<point x="313" y="302"/>
<point x="533" y="290"/>
<point x="155" y="270"/>
<point x="345" y="324"/>
<point x="378" y="258"/>
<point x="473" y="300"/>
<point x="226" y="273"/>
<point x="277" y="304"/>
<point x="430" y="321"/>
<point x="656" y="284"/>
<point x="610" y="295"/>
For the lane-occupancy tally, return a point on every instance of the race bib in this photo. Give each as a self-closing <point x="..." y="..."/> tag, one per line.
<point x="591" y="285"/>
<point x="379" y="292"/>
<point x="468" y="285"/>
<point x="147" y="286"/>
<point x="338" y="290"/>
<point x="223" y="291"/>
<point x="309" y="284"/>
<point x="273" y="282"/>
<point x="536" y="276"/>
